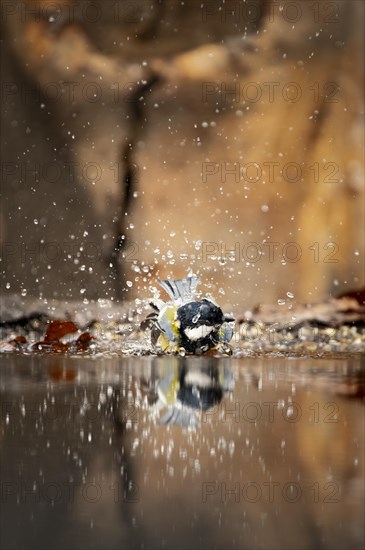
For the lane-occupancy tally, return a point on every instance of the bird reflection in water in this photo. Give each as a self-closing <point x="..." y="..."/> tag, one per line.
<point x="178" y="391"/>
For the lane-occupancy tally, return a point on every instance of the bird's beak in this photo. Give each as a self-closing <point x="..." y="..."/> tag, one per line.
<point x="228" y="318"/>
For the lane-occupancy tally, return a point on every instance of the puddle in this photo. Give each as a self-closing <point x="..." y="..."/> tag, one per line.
<point x="178" y="452"/>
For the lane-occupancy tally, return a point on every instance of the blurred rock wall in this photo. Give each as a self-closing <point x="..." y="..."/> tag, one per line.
<point x="145" y="139"/>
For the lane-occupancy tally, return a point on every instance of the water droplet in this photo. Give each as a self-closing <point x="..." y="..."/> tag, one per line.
<point x="198" y="245"/>
<point x="222" y="443"/>
<point x="281" y="302"/>
<point x="264" y="208"/>
<point x="129" y="284"/>
<point x="290" y="295"/>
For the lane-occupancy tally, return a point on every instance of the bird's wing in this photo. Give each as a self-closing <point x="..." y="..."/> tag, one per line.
<point x="167" y="322"/>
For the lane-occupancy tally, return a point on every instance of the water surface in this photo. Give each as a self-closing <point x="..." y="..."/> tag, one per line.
<point x="179" y="452"/>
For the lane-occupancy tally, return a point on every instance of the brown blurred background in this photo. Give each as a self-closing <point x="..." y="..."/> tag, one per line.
<point x="142" y="139"/>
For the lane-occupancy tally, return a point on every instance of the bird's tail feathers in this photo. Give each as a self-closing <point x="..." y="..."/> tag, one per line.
<point x="180" y="288"/>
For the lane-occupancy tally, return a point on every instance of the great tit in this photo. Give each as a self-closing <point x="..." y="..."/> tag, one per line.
<point x="184" y="322"/>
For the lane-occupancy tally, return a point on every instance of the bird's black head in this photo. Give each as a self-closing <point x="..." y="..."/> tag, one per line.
<point x="199" y="324"/>
<point x="195" y="314"/>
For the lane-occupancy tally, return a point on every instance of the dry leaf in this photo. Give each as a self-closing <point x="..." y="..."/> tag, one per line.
<point x="57" y="329"/>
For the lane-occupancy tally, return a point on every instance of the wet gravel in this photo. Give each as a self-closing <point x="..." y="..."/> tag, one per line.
<point x="116" y="329"/>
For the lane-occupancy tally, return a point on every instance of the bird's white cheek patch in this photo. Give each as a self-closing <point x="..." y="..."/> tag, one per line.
<point x="198" y="332"/>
